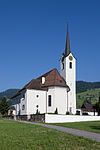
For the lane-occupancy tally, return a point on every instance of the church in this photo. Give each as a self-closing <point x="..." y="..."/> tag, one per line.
<point x="50" y="92"/>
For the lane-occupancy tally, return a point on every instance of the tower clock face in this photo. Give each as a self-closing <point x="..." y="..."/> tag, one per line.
<point x="70" y="58"/>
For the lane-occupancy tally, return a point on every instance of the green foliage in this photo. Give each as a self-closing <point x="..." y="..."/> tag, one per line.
<point x="77" y="112"/>
<point x="67" y="113"/>
<point x="0" y="115"/>
<point x="89" y="96"/>
<point x="4" y="106"/>
<point x="98" y="108"/>
<point x="56" y="111"/>
<point x="37" y="112"/>
<point x="85" y="114"/>
<point x="82" y="86"/>
<point x="21" y="136"/>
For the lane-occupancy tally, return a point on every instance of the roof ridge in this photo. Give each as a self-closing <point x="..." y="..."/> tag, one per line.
<point x="46" y="73"/>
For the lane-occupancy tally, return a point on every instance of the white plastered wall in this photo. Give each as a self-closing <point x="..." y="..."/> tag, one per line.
<point x="69" y="74"/>
<point x="58" y="99"/>
<point x="34" y="98"/>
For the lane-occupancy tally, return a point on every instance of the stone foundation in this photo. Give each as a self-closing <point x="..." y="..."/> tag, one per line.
<point x="40" y="117"/>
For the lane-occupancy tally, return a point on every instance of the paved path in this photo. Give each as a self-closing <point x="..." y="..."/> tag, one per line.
<point x="86" y="134"/>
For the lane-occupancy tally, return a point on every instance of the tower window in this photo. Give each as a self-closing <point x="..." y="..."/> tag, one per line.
<point x="62" y="65"/>
<point x="70" y="65"/>
<point x="49" y="100"/>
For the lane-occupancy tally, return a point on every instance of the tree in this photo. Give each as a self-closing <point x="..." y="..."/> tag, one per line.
<point x="98" y="108"/>
<point x="4" y="106"/>
<point x="56" y="111"/>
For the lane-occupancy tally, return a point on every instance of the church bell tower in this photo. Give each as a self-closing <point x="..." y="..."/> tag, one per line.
<point x="68" y="72"/>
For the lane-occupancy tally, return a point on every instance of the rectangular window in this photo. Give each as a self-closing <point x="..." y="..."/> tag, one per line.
<point x="70" y="65"/>
<point x="49" y="100"/>
<point x="63" y="65"/>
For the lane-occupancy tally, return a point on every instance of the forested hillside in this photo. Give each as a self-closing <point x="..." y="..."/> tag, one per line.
<point x="82" y="86"/>
<point x="8" y="93"/>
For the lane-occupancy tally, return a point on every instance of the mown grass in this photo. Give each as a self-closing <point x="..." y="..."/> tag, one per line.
<point x="92" y="126"/>
<point x="21" y="136"/>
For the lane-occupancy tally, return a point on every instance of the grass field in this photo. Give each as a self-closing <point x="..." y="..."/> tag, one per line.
<point x="21" y="136"/>
<point x="93" y="126"/>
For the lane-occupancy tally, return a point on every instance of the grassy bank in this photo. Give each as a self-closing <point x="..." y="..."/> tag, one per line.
<point x="93" y="126"/>
<point x="21" y="136"/>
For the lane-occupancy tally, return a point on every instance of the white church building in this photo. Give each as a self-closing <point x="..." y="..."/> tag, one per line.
<point x="51" y="91"/>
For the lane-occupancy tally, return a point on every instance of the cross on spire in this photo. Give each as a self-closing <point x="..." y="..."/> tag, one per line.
<point x="67" y="47"/>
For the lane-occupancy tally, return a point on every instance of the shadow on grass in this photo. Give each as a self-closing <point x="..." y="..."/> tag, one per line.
<point x="95" y="127"/>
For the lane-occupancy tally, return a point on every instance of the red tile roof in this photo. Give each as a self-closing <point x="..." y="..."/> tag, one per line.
<point x="12" y="108"/>
<point x="52" y="78"/>
<point x="88" y="107"/>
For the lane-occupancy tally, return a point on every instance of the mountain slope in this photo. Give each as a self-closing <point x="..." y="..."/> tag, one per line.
<point x="82" y="86"/>
<point x="8" y="93"/>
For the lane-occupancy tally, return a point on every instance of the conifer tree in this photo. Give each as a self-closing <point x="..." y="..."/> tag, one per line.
<point x="4" y="106"/>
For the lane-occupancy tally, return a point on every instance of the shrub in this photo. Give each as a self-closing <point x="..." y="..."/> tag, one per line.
<point x="85" y="114"/>
<point x="0" y="115"/>
<point x="56" y="111"/>
<point x="67" y="113"/>
<point x="37" y="112"/>
<point x="77" y="112"/>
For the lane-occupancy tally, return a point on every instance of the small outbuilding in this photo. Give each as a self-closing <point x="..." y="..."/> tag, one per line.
<point x="89" y="109"/>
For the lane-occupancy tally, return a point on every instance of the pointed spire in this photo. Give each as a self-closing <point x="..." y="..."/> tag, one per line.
<point x="67" y="47"/>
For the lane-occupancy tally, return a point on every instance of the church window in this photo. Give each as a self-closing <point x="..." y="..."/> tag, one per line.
<point x="70" y="65"/>
<point x="62" y="65"/>
<point x="49" y="100"/>
<point x="37" y="106"/>
<point x="23" y="107"/>
<point x="37" y="96"/>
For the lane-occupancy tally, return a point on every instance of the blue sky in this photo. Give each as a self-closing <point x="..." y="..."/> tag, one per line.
<point x="33" y="35"/>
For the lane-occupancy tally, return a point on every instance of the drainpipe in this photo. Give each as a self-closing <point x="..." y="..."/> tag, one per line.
<point x="46" y="101"/>
<point x="67" y="101"/>
<point x="67" y="97"/>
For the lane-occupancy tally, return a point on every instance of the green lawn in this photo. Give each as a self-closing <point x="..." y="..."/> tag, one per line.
<point x="93" y="126"/>
<point x="21" y="136"/>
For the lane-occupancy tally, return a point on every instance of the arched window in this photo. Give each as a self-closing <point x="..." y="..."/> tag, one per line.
<point x="49" y="100"/>
<point x="70" y="65"/>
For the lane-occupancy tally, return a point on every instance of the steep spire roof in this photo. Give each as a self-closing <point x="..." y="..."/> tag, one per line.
<point x="67" y="47"/>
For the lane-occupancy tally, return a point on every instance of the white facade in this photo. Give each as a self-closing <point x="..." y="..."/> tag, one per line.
<point x="36" y="99"/>
<point x="59" y="100"/>
<point x="39" y="99"/>
<point x="69" y="74"/>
